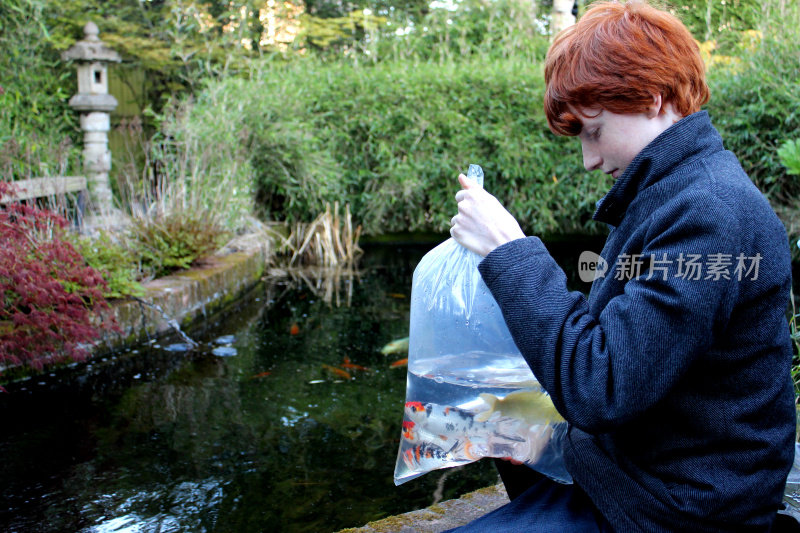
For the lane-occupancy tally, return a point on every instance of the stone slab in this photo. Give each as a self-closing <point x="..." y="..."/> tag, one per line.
<point x="441" y="516"/>
<point x="461" y="511"/>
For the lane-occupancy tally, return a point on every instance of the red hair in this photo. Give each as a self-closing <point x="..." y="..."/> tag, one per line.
<point x="618" y="57"/>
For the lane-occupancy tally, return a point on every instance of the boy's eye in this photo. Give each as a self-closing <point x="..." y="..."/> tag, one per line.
<point x="594" y="134"/>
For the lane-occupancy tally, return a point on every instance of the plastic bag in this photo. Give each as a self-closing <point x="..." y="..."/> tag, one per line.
<point x="469" y="393"/>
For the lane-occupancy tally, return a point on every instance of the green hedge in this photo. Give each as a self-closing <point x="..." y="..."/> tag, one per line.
<point x="391" y="138"/>
<point x="38" y="130"/>
<point x="755" y="103"/>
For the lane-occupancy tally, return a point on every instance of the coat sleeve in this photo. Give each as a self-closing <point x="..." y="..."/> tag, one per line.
<point x="605" y="369"/>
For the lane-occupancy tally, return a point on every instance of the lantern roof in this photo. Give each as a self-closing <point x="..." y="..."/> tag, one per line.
<point x="91" y="48"/>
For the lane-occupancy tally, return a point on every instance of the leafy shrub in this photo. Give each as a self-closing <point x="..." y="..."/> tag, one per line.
<point x="50" y="298"/>
<point x="170" y="241"/>
<point x="116" y="263"/>
<point x="789" y="154"/>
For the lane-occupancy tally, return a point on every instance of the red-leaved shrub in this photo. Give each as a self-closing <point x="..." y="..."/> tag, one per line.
<point x="50" y="301"/>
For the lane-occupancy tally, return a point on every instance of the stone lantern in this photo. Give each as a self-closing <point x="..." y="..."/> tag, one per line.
<point x="562" y="15"/>
<point x="95" y="105"/>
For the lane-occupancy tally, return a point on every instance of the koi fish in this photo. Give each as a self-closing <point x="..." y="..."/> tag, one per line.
<point x="532" y="407"/>
<point x="294" y="329"/>
<point x="440" y="425"/>
<point x="397" y="295"/>
<point x="260" y="375"/>
<point x="454" y="435"/>
<point x="408" y="430"/>
<point x="416" y="456"/>
<point x="399" y="362"/>
<point x="337" y="371"/>
<point x="347" y="364"/>
<point x="396" y="346"/>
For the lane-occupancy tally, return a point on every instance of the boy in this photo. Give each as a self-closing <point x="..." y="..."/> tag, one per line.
<point x="675" y="374"/>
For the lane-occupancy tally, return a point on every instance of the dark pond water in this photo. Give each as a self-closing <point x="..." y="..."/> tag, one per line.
<point x="253" y="431"/>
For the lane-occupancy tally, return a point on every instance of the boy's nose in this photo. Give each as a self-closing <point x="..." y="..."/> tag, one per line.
<point x="591" y="160"/>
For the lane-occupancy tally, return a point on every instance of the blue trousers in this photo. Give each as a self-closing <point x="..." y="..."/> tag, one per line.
<point x="545" y="507"/>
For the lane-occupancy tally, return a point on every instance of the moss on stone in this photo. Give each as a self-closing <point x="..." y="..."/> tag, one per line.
<point x="437" y="509"/>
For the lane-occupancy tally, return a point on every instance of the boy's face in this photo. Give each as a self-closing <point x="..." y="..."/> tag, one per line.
<point x="610" y="141"/>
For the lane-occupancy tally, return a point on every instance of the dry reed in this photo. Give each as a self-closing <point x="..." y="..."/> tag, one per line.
<point x="322" y="255"/>
<point x="328" y="241"/>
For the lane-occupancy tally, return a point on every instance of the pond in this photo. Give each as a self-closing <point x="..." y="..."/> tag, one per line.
<point x="285" y="418"/>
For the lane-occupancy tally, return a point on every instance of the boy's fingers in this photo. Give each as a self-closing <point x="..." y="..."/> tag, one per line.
<point x="467" y="183"/>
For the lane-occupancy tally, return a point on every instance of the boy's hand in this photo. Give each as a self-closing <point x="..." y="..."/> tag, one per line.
<point x="482" y="224"/>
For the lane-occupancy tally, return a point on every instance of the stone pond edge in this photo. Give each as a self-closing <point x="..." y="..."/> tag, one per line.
<point x="440" y="516"/>
<point x="185" y="297"/>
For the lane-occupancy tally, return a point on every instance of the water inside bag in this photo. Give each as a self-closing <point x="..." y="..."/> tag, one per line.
<point x="456" y="417"/>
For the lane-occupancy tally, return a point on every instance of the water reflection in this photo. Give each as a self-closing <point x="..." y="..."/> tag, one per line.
<point x="250" y="431"/>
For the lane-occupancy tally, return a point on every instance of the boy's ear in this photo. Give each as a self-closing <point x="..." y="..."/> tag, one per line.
<point x="655" y="109"/>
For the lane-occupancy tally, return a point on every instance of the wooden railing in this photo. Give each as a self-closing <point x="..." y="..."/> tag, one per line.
<point x="41" y="187"/>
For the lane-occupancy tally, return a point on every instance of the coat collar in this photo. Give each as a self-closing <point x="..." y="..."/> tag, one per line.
<point x="687" y="139"/>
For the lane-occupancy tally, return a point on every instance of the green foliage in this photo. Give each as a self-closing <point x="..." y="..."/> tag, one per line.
<point x="794" y="333"/>
<point x="498" y="29"/>
<point x="713" y="19"/>
<point x="333" y="34"/>
<point x="402" y="100"/>
<point x="177" y="43"/>
<point x="789" y="154"/>
<point x="172" y="241"/>
<point x="198" y="161"/>
<point x="388" y="130"/>
<point x="116" y="264"/>
<point x="36" y="124"/>
<point x="392" y="138"/>
<point x="755" y="102"/>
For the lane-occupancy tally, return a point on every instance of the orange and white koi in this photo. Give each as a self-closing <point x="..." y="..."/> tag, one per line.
<point x="439" y="424"/>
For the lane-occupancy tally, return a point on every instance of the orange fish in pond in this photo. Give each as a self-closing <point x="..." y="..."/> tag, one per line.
<point x="347" y="364"/>
<point x="397" y="295"/>
<point x="337" y="371"/>
<point x="400" y="362"/>
<point x="260" y="375"/>
<point x="294" y="330"/>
